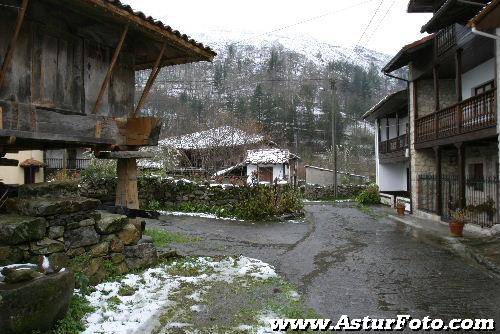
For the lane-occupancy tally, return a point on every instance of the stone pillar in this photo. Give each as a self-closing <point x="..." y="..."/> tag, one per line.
<point x="437" y="155"/>
<point x="461" y="174"/>
<point x="127" y="194"/>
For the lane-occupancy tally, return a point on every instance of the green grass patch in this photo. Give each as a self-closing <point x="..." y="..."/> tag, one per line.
<point x="163" y="238"/>
<point x="73" y="321"/>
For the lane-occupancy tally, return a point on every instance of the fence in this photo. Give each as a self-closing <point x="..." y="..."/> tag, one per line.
<point x="70" y="164"/>
<point x="481" y="197"/>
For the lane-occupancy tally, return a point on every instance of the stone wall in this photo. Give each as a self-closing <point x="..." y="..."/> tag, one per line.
<point x="425" y="95"/>
<point x="317" y="193"/>
<point x="53" y="220"/>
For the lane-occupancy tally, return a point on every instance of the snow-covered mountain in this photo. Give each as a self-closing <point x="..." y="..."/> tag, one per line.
<point x="317" y="51"/>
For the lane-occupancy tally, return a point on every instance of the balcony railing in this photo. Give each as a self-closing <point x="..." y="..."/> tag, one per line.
<point x="71" y="164"/>
<point x="393" y="145"/>
<point x="445" y="39"/>
<point x="476" y="113"/>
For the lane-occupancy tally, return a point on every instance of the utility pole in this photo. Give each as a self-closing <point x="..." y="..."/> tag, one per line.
<point x="334" y="139"/>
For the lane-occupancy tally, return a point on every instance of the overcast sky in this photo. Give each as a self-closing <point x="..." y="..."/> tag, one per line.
<point x="334" y="21"/>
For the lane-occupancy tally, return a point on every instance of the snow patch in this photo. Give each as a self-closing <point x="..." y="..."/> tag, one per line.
<point x="196" y="214"/>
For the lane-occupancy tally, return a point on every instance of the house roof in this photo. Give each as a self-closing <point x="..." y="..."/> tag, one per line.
<point x="488" y="18"/>
<point x="406" y="54"/>
<point x="453" y="11"/>
<point x="389" y="104"/>
<point x="270" y="156"/>
<point x="186" y="48"/>
<point x="224" y="136"/>
<point x="31" y="163"/>
<point x="423" y="6"/>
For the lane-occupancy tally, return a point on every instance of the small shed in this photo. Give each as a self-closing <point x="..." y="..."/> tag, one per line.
<point x="267" y="166"/>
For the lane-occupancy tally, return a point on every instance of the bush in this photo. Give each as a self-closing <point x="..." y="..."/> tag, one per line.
<point x="369" y="196"/>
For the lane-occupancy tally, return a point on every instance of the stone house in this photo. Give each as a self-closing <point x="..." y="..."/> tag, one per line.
<point x="452" y="103"/>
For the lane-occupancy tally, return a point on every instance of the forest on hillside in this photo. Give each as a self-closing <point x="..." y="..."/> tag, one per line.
<point x="280" y="93"/>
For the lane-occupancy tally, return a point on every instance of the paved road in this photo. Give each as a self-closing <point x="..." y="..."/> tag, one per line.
<point x="345" y="261"/>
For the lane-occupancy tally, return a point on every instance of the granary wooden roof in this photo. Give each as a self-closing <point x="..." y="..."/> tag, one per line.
<point x="143" y="30"/>
<point x="424" y="6"/>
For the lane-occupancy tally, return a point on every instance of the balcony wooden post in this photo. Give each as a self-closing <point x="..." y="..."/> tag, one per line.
<point x="397" y="125"/>
<point x="461" y="174"/>
<point x="458" y="74"/>
<point x="437" y="156"/>
<point x="435" y="74"/>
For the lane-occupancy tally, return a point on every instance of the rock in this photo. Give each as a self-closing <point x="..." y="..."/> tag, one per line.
<point x="82" y="223"/>
<point x="140" y="256"/>
<point x="55" y="232"/>
<point x="55" y="188"/>
<point x="129" y="235"/>
<point x="35" y="305"/>
<point x="122" y="268"/>
<point x="10" y="255"/>
<point x="19" y="275"/>
<point x="59" y="261"/>
<point x="72" y="252"/>
<point x="115" y="244"/>
<point x="81" y="237"/>
<point x="50" y="206"/>
<point x="93" y="266"/>
<point x="139" y="223"/>
<point x="146" y="239"/>
<point x="110" y="223"/>
<point x="117" y="258"/>
<point x="100" y="249"/>
<point x="16" y="229"/>
<point x="168" y="253"/>
<point x="46" y="246"/>
<point x="495" y="230"/>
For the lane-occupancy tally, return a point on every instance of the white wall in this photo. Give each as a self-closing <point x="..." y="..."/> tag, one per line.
<point x="477" y="76"/>
<point x="402" y="125"/>
<point x="15" y="175"/>
<point x="392" y="177"/>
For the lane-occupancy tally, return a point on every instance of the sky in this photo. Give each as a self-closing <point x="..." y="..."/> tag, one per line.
<point x="381" y="25"/>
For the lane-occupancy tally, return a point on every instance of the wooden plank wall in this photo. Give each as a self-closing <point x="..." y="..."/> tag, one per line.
<point x="58" y="68"/>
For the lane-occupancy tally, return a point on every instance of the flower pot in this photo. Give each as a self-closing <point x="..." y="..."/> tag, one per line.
<point x="400" y="210"/>
<point x="456" y="229"/>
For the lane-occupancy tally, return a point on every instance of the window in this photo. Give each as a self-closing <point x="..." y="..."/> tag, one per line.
<point x="484" y="87"/>
<point x="476" y="176"/>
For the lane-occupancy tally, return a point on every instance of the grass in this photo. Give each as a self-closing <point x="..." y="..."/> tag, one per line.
<point x="164" y="238"/>
<point x="73" y="321"/>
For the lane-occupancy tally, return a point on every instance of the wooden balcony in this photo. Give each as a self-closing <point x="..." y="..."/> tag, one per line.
<point x="393" y="150"/>
<point x="471" y="119"/>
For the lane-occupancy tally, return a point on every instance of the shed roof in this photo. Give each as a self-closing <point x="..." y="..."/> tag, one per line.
<point x="406" y="54"/>
<point x="389" y="104"/>
<point x="270" y="156"/>
<point x="488" y="18"/>
<point x="31" y="163"/>
<point x="224" y="136"/>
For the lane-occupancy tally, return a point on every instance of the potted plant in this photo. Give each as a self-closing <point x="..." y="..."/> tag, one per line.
<point x="458" y="220"/>
<point x="400" y="207"/>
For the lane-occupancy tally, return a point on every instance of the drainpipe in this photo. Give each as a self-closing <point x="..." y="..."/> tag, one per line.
<point x="484" y="34"/>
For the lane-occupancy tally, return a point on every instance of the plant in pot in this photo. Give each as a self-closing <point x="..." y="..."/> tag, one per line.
<point x="458" y="220"/>
<point x="400" y="207"/>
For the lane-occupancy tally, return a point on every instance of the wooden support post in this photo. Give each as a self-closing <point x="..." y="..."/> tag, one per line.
<point x="435" y="74"/>
<point x="152" y="77"/>
<point x="127" y="194"/>
<point x="437" y="155"/>
<point x="397" y="125"/>
<point x="12" y="45"/>
<point x="461" y="174"/>
<point x="110" y="70"/>
<point x="458" y="74"/>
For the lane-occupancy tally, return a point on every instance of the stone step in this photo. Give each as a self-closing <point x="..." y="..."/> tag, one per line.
<point x="49" y="189"/>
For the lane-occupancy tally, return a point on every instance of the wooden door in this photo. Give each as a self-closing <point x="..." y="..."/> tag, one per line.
<point x="266" y="174"/>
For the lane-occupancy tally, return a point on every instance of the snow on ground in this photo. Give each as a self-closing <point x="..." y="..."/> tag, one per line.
<point x="196" y="214"/>
<point x="147" y="295"/>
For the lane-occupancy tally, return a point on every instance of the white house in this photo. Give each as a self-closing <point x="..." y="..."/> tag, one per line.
<point x="392" y="147"/>
<point x="266" y="166"/>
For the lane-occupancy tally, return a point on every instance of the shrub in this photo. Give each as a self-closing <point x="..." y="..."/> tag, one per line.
<point x="369" y="196"/>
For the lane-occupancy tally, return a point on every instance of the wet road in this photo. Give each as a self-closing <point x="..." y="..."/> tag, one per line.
<point x="345" y="261"/>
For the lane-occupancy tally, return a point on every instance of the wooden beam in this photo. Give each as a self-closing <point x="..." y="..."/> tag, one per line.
<point x="12" y="45"/>
<point x="110" y="70"/>
<point x="152" y="77"/>
<point x="125" y="155"/>
<point x="8" y="162"/>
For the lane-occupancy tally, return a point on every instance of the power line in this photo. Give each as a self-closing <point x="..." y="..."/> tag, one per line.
<point x="369" y="23"/>
<point x="381" y="21"/>
<point x="311" y="19"/>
